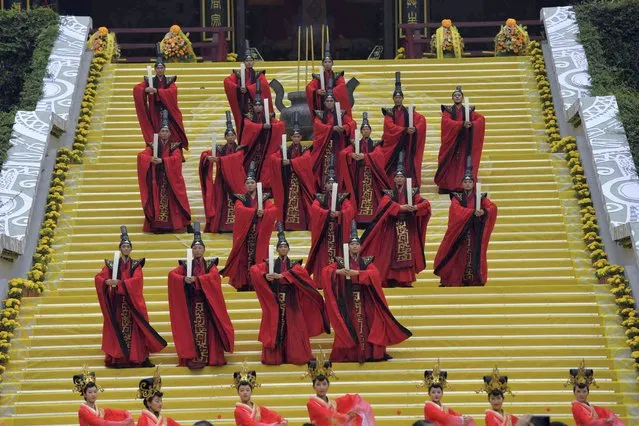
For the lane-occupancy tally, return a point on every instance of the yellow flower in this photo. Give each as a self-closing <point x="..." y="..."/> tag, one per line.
<point x="447" y="23"/>
<point x="175" y="29"/>
<point x="103" y="31"/>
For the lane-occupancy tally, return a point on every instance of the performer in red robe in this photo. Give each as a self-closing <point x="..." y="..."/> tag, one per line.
<point x="363" y="177"/>
<point x="248" y="413"/>
<point x="495" y="385"/>
<point x="151" y="101"/>
<point x="399" y="137"/>
<point x="150" y="392"/>
<point x="403" y="226"/>
<point x="218" y="189"/>
<point x="162" y="188"/>
<point x="434" y="410"/>
<point x="292" y="309"/>
<point x="202" y="329"/>
<point x="363" y="324"/>
<point x="462" y="143"/>
<point x="329" y="139"/>
<point x="127" y="336"/>
<point x="292" y="183"/>
<point x="347" y="410"/>
<point x="251" y="233"/>
<point x="315" y="94"/>
<point x="329" y="229"/>
<point x="584" y="413"/>
<point x="461" y="258"/>
<point x="89" y="414"/>
<point x="261" y="139"/>
<point x="241" y="98"/>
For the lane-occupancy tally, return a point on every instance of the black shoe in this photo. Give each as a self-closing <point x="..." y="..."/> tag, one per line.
<point x="147" y="364"/>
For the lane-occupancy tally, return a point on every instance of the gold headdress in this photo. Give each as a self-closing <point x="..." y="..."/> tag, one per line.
<point x="83" y="379"/>
<point x="320" y="367"/>
<point x="245" y="377"/>
<point x="581" y="376"/>
<point x="150" y="386"/>
<point x="495" y="382"/>
<point x="435" y="376"/>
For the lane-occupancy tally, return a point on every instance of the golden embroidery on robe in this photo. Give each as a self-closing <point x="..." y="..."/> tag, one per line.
<point x="201" y="333"/>
<point x="293" y="208"/>
<point x="327" y="155"/>
<point x="125" y="321"/>
<point x="357" y="301"/>
<point x="164" y="199"/>
<point x="251" y="241"/>
<point x="366" y="199"/>
<point x="230" y="210"/>
<point x="404" y="252"/>
<point x="468" y="270"/>
<point x="281" y="298"/>
<point x="330" y="240"/>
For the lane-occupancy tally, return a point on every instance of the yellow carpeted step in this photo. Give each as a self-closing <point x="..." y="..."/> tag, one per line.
<point x="539" y="315"/>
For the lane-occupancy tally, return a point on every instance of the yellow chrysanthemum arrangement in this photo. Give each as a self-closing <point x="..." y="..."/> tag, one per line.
<point x="512" y="39"/>
<point x="103" y="41"/>
<point x="612" y="275"/>
<point x="176" y="46"/>
<point x="33" y="285"/>
<point x="446" y="41"/>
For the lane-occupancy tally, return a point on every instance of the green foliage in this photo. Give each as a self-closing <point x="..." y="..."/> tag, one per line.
<point x="26" y="40"/>
<point x="609" y="31"/>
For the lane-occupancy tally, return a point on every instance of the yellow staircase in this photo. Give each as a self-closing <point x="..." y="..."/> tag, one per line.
<point x="540" y="314"/>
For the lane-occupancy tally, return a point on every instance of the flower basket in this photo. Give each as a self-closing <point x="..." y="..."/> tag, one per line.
<point x="512" y="40"/>
<point x="176" y="46"/>
<point x="446" y="42"/>
<point x="103" y="42"/>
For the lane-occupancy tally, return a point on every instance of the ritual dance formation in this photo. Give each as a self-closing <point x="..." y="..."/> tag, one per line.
<point x="254" y="182"/>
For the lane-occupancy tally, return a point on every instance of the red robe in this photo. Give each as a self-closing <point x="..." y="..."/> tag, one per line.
<point x="255" y="416"/>
<point x="327" y="142"/>
<point x="364" y="179"/>
<point x="360" y="338"/>
<point x="202" y="329"/>
<point x="590" y="415"/>
<point x="453" y="151"/>
<point x="147" y="418"/>
<point x="444" y="416"/>
<point x="316" y="102"/>
<point x="335" y="412"/>
<point x="328" y="235"/>
<point x="162" y="190"/>
<point x="242" y="104"/>
<point x="466" y="234"/>
<point x="251" y="236"/>
<point x="406" y="231"/>
<point x="148" y="109"/>
<point x="127" y="336"/>
<point x="396" y="139"/>
<point x="261" y="144"/>
<point x="293" y="187"/>
<point x="87" y="416"/>
<point x="292" y="312"/>
<point x="493" y="418"/>
<point x="217" y="193"/>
